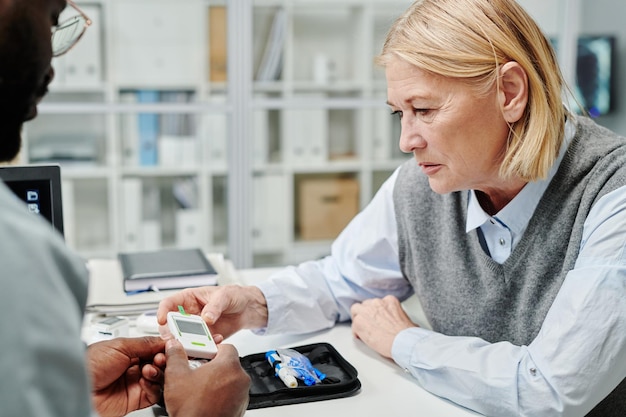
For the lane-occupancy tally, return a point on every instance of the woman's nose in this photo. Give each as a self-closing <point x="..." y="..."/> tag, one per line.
<point x="410" y="137"/>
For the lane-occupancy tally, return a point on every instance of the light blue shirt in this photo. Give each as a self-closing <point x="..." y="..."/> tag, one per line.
<point x="585" y="325"/>
<point x="503" y="231"/>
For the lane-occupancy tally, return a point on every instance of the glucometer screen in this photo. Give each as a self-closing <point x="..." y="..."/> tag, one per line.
<point x="190" y="327"/>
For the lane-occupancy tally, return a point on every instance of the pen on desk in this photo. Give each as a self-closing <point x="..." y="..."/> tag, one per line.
<point x="151" y="288"/>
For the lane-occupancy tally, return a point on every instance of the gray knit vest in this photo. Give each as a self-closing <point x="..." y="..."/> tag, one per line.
<point x="466" y="293"/>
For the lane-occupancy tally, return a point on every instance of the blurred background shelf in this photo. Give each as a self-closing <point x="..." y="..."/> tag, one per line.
<point x="230" y="124"/>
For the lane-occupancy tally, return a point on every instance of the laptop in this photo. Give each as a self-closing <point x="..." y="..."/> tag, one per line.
<point x="39" y="186"/>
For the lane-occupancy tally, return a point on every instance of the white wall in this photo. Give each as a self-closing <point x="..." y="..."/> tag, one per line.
<point x="546" y="13"/>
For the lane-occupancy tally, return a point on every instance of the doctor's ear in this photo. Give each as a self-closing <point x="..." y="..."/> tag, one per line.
<point x="513" y="91"/>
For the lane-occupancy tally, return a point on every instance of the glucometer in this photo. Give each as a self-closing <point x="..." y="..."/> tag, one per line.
<point x="193" y="333"/>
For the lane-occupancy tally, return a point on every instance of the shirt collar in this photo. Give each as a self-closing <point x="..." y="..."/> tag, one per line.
<point x="518" y="212"/>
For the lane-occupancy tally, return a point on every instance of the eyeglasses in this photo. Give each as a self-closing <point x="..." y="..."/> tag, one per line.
<point x="68" y="32"/>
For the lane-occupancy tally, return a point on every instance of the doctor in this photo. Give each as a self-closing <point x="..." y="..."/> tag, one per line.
<point x="45" y="367"/>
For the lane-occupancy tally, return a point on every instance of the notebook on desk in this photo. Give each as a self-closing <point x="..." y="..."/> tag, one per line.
<point x="166" y="269"/>
<point x="106" y="290"/>
<point x="39" y="186"/>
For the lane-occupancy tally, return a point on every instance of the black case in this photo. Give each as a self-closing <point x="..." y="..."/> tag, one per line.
<point x="266" y="390"/>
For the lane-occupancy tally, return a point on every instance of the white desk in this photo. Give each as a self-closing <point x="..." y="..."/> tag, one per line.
<point x="386" y="390"/>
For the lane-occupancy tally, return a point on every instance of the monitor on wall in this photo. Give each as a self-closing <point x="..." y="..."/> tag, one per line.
<point x="595" y="73"/>
<point x="39" y="186"/>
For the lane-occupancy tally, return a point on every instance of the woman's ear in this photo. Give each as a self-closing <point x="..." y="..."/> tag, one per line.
<point x="513" y="91"/>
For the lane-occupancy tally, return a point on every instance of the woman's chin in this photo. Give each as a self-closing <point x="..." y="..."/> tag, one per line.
<point x="441" y="187"/>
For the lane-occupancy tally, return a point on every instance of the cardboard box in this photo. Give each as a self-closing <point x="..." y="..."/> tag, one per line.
<point x="218" y="54"/>
<point x="326" y="206"/>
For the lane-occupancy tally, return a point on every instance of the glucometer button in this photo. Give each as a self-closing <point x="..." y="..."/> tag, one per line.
<point x="198" y="344"/>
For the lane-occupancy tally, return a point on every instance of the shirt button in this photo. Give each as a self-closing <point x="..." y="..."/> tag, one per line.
<point x="533" y="371"/>
<point x="502" y="241"/>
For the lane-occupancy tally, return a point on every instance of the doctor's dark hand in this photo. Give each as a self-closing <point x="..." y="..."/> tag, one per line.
<point x="219" y="388"/>
<point x="123" y="376"/>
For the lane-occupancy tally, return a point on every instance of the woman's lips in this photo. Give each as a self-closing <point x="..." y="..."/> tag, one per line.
<point x="430" y="168"/>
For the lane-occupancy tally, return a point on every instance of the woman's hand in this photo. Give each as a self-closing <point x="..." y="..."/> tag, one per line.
<point x="226" y="309"/>
<point x="378" y="321"/>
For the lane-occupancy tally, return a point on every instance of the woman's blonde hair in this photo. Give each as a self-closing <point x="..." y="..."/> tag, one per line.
<point x="470" y="40"/>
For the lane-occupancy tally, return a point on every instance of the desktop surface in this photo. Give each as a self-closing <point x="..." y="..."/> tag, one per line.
<point x="385" y="388"/>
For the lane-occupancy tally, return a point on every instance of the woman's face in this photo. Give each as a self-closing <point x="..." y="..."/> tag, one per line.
<point x="457" y="137"/>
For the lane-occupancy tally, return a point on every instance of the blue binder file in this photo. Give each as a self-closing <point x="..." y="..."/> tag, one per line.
<point x="148" y="124"/>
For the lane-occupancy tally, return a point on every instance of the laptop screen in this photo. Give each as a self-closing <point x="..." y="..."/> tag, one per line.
<point x="39" y="186"/>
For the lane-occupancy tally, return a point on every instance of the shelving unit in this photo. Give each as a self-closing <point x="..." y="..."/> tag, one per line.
<point x="118" y="199"/>
<point x="321" y="115"/>
<point x="230" y="153"/>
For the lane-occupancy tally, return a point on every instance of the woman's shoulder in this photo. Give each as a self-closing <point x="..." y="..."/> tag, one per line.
<point x="586" y="127"/>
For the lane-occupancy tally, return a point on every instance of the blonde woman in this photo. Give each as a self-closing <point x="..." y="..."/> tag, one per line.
<point x="509" y="225"/>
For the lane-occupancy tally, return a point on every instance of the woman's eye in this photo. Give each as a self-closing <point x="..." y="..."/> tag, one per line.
<point x="422" y="112"/>
<point x="397" y="113"/>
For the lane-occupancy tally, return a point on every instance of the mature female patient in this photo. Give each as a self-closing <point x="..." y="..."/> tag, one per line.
<point x="509" y="226"/>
